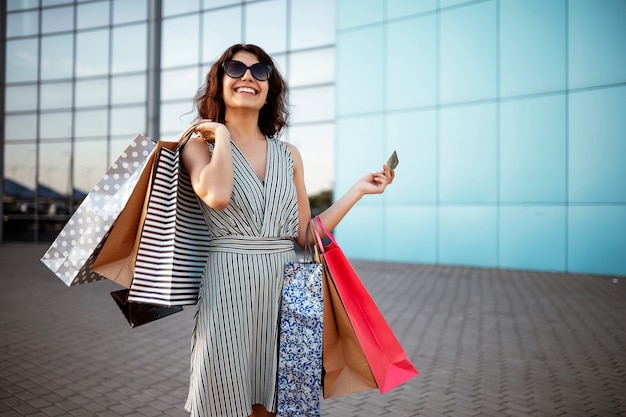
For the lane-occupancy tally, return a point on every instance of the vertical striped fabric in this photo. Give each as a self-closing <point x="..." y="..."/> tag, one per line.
<point x="234" y="346"/>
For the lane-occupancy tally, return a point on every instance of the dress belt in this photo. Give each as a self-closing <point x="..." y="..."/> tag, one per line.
<point x="250" y="244"/>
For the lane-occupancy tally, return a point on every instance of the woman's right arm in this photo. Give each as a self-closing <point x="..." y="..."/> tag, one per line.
<point x="211" y="174"/>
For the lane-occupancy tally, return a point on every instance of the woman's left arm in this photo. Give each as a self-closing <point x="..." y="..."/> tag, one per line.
<point x="371" y="183"/>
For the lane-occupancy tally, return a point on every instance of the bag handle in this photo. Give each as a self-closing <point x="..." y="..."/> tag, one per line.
<point x="186" y="135"/>
<point x="326" y="232"/>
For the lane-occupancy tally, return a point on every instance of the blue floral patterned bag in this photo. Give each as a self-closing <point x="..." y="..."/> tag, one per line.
<point x="300" y="352"/>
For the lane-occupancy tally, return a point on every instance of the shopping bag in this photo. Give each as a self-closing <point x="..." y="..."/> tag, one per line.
<point x="116" y="259"/>
<point x="300" y="347"/>
<point x="173" y="242"/>
<point x="346" y="370"/>
<point x="76" y="247"/>
<point x="139" y="313"/>
<point x="385" y="356"/>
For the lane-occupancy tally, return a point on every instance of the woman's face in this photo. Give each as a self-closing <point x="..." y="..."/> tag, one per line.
<point x="245" y="92"/>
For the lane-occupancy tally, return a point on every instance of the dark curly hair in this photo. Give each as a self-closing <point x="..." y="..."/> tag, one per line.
<point x="274" y="115"/>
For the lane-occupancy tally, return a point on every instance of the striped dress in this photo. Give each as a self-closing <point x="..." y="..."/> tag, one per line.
<point x="234" y="346"/>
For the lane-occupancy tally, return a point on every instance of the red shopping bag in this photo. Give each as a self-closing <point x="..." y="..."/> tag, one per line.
<point x="386" y="357"/>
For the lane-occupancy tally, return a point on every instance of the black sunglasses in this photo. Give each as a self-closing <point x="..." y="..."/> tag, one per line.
<point x="236" y="69"/>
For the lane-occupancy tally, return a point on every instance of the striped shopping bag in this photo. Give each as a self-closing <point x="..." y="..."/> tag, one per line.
<point x="174" y="238"/>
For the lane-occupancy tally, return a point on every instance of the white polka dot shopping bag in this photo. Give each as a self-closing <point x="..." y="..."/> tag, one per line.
<point x="76" y="247"/>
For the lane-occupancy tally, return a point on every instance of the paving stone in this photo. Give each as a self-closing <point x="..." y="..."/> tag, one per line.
<point x="488" y="342"/>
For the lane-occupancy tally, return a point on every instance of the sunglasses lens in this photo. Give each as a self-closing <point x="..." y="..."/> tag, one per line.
<point x="260" y="71"/>
<point x="236" y="69"/>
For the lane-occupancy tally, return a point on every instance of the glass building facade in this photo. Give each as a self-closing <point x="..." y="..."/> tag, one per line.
<point x="509" y="122"/>
<point x="507" y="115"/>
<point x="83" y="77"/>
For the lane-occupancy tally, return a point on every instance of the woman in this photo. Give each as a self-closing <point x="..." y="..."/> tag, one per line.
<point x="255" y="204"/>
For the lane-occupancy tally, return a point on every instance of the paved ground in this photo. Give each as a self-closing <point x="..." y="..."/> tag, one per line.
<point x="487" y="343"/>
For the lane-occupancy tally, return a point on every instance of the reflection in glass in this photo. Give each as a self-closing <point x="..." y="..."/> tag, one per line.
<point x="91" y="123"/>
<point x="22" y="24"/>
<point x="180" y="41"/>
<point x="90" y="162"/>
<point x="93" y="15"/>
<point x="173" y="7"/>
<point x="56" y="57"/>
<point x="55" y="125"/>
<point x="59" y="19"/>
<point x="21" y="4"/>
<point x="130" y="89"/>
<point x="179" y="84"/>
<point x="312" y="23"/>
<point x="92" y="53"/>
<point x="176" y="117"/>
<point x="125" y="11"/>
<point x="56" y="96"/>
<point x="21" y="60"/>
<point x="128" y="121"/>
<point x="20" y="127"/>
<point x="19" y="164"/>
<point x="266" y="25"/>
<point x="129" y="48"/>
<point x="54" y="166"/>
<point x="312" y="67"/>
<point x="316" y="145"/>
<point x="19" y="98"/>
<point x="92" y="92"/>
<point x="221" y="29"/>
<point x="312" y="104"/>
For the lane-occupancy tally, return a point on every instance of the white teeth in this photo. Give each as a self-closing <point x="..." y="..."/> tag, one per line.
<point x="246" y="90"/>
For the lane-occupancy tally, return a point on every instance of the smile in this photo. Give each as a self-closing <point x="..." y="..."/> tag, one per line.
<point x="247" y="90"/>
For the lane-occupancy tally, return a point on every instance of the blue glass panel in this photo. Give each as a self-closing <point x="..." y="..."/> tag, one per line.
<point x="19" y="98"/>
<point x="89" y="162"/>
<point x="57" y="57"/>
<point x="55" y="96"/>
<point x="128" y="121"/>
<point x="468" y="53"/>
<point x="597" y="146"/>
<point x="21" y="60"/>
<point x="360" y="149"/>
<point x="125" y="11"/>
<point x="532" y="61"/>
<point x="174" y="7"/>
<point x="468" y="154"/>
<point x="91" y="123"/>
<point x="59" y="19"/>
<point x="130" y="46"/>
<point x="361" y="233"/>
<point x="468" y="235"/>
<point x="411" y="64"/>
<point x="257" y="16"/>
<point x="597" y="239"/>
<point x="411" y="234"/>
<point x="55" y="165"/>
<point x="533" y="150"/>
<point x="449" y="3"/>
<point x="22" y="24"/>
<point x="20" y="127"/>
<point x="312" y="104"/>
<point x="316" y="143"/>
<point x="221" y="29"/>
<point x="312" y="67"/>
<point x="351" y="13"/>
<point x="178" y="84"/>
<point x="93" y="14"/>
<point x="312" y="23"/>
<point x="93" y="92"/>
<point x="21" y="4"/>
<point x="360" y="90"/>
<point x="180" y="116"/>
<point x="177" y="32"/>
<point x="414" y="136"/>
<point x="402" y="8"/>
<point x="55" y="125"/>
<point x="131" y="89"/>
<point x="91" y="60"/>
<point x="533" y="237"/>
<point x="597" y="46"/>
